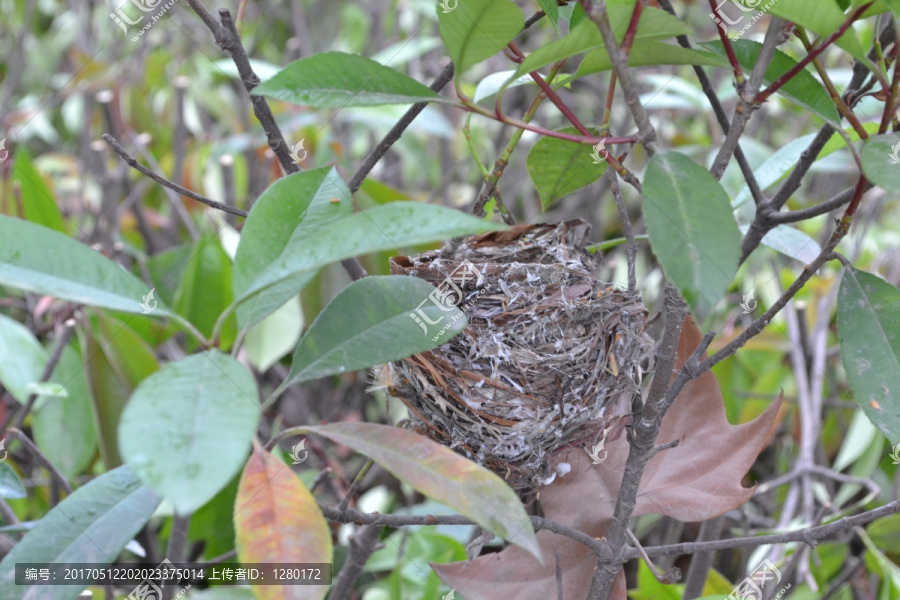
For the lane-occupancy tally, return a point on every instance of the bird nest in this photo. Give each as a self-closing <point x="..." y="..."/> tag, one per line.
<point x="551" y="356"/>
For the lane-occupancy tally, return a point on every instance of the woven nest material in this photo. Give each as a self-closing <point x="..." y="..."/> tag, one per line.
<point x="551" y="356"/>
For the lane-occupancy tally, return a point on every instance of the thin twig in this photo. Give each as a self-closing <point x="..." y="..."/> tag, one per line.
<point x="133" y="163"/>
<point x="354" y="486"/>
<point x="40" y="458"/>
<point x="631" y="247"/>
<point x="362" y="544"/>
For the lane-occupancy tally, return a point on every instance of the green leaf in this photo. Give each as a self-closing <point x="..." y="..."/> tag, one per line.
<point x="205" y="289"/>
<point x="64" y="426"/>
<point x="187" y="428"/>
<point x="559" y="167"/>
<point x="494" y="82"/>
<point x="885" y="533"/>
<point x="90" y="526"/>
<point x="41" y="260"/>
<point x="115" y="359"/>
<point x="37" y="200"/>
<point x="647" y="53"/>
<point x="275" y="336"/>
<point x="22" y="358"/>
<point x="804" y="89"/>
<point x="441" y="474"/>
<point x="478" y="29"/>
<point x="791" y="242"/>
<point x="869" y="330"/>
<point x="386" y="227"/>
<point x="823" y="18"/>
<point x="291" y="209"/>
<point x="692" y="229"/>
<point x="655" y="24"/>
<point x="370" y="323"/>
<point x="10" y="484"/>
<point x="551" y="9"/>
<point x="338" y="80"/>
<point x="881" y="160"/>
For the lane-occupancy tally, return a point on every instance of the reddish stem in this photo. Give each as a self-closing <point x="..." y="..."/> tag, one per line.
<point x="778" y="83"/>
<point x="890" y="103"/>
<point x="628" y="40"/>
<point x="552" y="95"/>
<point x="854" y="204"/>
<point x="729" y="50"/>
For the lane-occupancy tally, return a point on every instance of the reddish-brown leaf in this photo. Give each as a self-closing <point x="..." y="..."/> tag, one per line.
<point x="277" y="520"/>
<point x="697" y="480"/>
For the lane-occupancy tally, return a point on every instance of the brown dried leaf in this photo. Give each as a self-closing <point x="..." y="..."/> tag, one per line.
<point x="697" y="480"/>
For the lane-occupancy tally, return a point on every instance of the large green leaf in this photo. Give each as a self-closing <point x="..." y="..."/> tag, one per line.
<point x="116" y="359"/>
<point x="92" y="525"/>
<point x="441" y="474"/>
<point x="292" y="208"/>
<point x="559" y="167"/>
<point x="804" y="89"/>
<point x="648" y="53"/>
<point x="551" y="9"/>
<point x="277" y="520"/>
<point x="824" y="18"/>
<point x="881" y="161"/>
<point x="41" y="260"/>
<point x="869" y="330"/>
<point x="187" y="428"/>
<point x="22" y="358"/>
<point x="37" y="200"/>
<point x="692" y="229"/>
<point x="387" y="227"/>
<point x="63" y="425"/>
<point x="655" y="24"/>
<point x="371" y="322"/>
<point x="478" y="29"/>
<point x="337" y="80"/>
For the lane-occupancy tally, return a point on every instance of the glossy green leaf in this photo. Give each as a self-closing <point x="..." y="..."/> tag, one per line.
<point x="655" y="24"/>
<point x="648" y="53"/>
<point x="277" y="520"/>
<point x="387" y="227"/>
<point x="205" y="290"/>
<point x="804" y="89"/>
<point x="338" y="80"/>
<point x="292" y="208"/>
<point x="551" y="9"/>
<point x="22" y="358"/>
<point x="441" y="474"/>
<point x="869" y="330"/>
<point x="791" y="242"/>
<point x="881" y="161"/>
<point x="92" y="525"/>
<point x="116" y="360"/>
<point x="41" y="260"/>
<point x="187" y="428"/>
<point x="370" y="323"/>
<point x="38" y="201"/>
<point x="559" y="167"/>
<point x="478" y="29"/>
<point x="63" y="426"/>
<point x="10" y="484"/>
<point x="824" y="18"/>
<point x="692" y="229"/>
